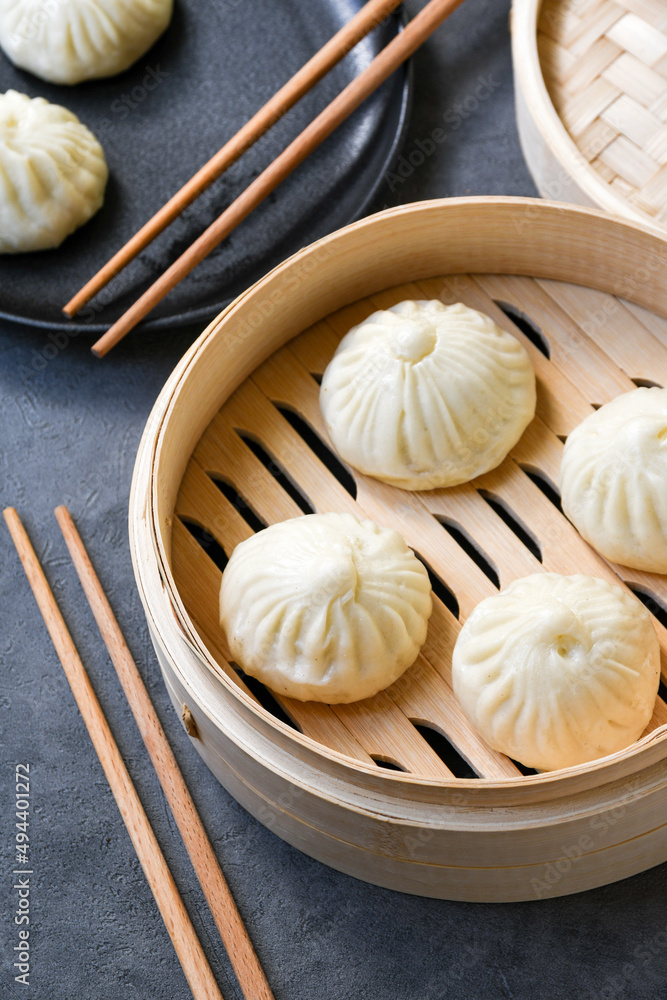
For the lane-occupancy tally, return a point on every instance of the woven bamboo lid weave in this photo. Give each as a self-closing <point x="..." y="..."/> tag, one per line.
<point x="591" y="80"/>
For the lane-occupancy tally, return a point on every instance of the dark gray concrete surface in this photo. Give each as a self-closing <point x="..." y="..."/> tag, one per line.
<point x="69" y="435"/>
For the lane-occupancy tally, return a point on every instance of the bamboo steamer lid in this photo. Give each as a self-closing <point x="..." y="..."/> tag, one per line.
<point x="591" y="101"/>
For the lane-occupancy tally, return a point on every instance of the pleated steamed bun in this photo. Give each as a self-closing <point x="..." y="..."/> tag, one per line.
<point x="52" y="173"/>
<point x="67" y="41"/>
<point x="557" y="670"/>
<point x="325" y="607"/>
<point x="425" y="395"/>
<point x="613" y="479"/>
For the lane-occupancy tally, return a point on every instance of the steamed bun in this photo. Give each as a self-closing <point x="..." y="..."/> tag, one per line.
<point x="558" y="670"/>
<point x="52" y="173"/>
<point x="614" y="479"/>
<point x="325" y="607"/>
<point x="425" y="395"/>
<point x="67" y="41"/>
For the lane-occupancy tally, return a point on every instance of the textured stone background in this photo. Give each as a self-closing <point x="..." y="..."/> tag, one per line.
<point x="70" y="435"/>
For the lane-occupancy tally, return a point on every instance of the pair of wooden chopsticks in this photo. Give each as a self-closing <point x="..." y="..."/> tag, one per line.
<point x="384" y="64"/>
<point x="218" y="895"/>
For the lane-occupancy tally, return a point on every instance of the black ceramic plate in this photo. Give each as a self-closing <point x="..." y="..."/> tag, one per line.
<point x="218" y="62"/>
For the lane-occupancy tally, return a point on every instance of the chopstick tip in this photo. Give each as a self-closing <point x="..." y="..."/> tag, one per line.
<point x="114" y="334"/>
<point x="15" y="527"/>
<point x="10" y="514"/>
<point x="65" y="521"/>
<point x="77" y="301"/>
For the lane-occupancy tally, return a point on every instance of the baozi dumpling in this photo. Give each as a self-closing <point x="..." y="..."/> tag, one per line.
<point x="325" y="607"/>
<point x="558" y="670"/>
<point x="613" y="479"/>
<point x="52" y="173"/>
<point x="425" y="395"/>
<point x="67" y="41"/>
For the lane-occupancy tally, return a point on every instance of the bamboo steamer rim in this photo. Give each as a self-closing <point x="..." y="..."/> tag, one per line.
<point x="152" y="501"/>
<point x="532" y="91"/>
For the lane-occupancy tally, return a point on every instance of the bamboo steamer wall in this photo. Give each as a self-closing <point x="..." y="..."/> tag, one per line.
<point x="236" y="441"/>
<point x="591" y="101"/>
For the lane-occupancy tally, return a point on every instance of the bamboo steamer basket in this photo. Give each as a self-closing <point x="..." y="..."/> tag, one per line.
<point x="591" y="102"/>
<point x="373" y="789"/>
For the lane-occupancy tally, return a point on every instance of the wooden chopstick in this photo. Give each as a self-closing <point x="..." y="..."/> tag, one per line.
<point x="384" y="64"/>
<point x="218" y="894"/>
<point x="368" y="18"/>
<point x="182" y="933"/>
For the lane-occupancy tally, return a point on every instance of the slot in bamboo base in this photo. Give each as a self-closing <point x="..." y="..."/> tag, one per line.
<point x="504" y="518"/>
